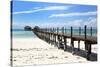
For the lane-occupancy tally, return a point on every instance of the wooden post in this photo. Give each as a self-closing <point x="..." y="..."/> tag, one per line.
<point x="57" y="30"/>
<point x="55" y="37"/>
<point x="90" y="48"/>
<point x="65" y="31"/>
<point x="71" y="32"/>
<point x="87" y="45"/>
<point x="72" y="41"/>
<point x="66" y="38"/>
<point x="91" y="31"/>
<point x="85" y="34"/>
<point x="79" y="45"/>
<point x="79" y="40"/>
<point x="59" y="39"/>
<point x="49" y="38"/>
<point x="79" y="30"/>
<point x="47" y="35"/>
<point x="57" y="33"/>
<point x="52" y="35"/>
<point x="89" y="51"/>
<point x="62" y="36"/>
<point x="65" y="46"/>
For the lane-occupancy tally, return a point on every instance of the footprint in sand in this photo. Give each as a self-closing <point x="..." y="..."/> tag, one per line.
<point x="53" y="57"/>
<point x="66" y="57"/>
<point x="78" y="57"/>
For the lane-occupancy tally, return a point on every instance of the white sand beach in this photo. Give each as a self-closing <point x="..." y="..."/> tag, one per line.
<point x="34" y="51"/>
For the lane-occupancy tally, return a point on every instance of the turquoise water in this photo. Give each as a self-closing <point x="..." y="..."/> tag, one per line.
<point x="88" y="32"/>
<point x="21" y="33"/>
<point x="76" y="32"/>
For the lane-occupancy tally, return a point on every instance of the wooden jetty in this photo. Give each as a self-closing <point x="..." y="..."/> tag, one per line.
<point x="59" y="39"/>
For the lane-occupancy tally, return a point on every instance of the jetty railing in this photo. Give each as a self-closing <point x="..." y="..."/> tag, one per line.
<point x="58" y="37"/>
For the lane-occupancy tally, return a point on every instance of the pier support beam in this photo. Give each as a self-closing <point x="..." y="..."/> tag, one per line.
<point x="55" y="40"/>
<point x="78" y="45"/>
<point x="65" y="46"/>
<point x="58" y="45"/>
<point x="88" y="51"/>
<point x="72" y="45"/>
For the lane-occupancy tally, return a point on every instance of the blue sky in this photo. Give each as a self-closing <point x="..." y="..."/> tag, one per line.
<point x="45" y="14"/>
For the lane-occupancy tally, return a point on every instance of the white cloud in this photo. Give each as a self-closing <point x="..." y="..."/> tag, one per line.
<point x="75" y="23"/>
<point x="48" y="8"/>
<point x="73" y="14"/>
<point x="90" y="22"/>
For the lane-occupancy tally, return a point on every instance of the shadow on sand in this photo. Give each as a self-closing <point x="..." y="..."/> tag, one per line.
<point x="82" y="53"/>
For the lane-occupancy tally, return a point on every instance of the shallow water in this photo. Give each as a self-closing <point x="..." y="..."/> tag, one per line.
<point x="20" y="33"/>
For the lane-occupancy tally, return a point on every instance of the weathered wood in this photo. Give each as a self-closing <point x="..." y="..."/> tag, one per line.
<point x="91" y="31"/>
<point x="65" y="46"/>
<point x="71" y="32"/>
<point x="57" y="30"/>
<point x="55" y="40"/>
<point x="78" y="45"/>
<point x="53" y="36"/>
<point x="87" y="44"/>
<point x="72" y="40"/>
<point x="72" y="45"/>
<point x="65" y="40"/>
<point x="79" y="31"/>
<point x="85" y="36"/>
<point x="79" y="40"/>
<point x="59" y="42"/>
<point x="57" y="37"/>
<point x="88" y="51"/>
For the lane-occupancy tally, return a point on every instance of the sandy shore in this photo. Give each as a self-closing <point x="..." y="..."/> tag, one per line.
<point x="33" y="51"/>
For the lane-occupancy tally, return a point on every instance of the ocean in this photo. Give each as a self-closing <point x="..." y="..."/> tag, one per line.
<point x="21" y="33"/>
